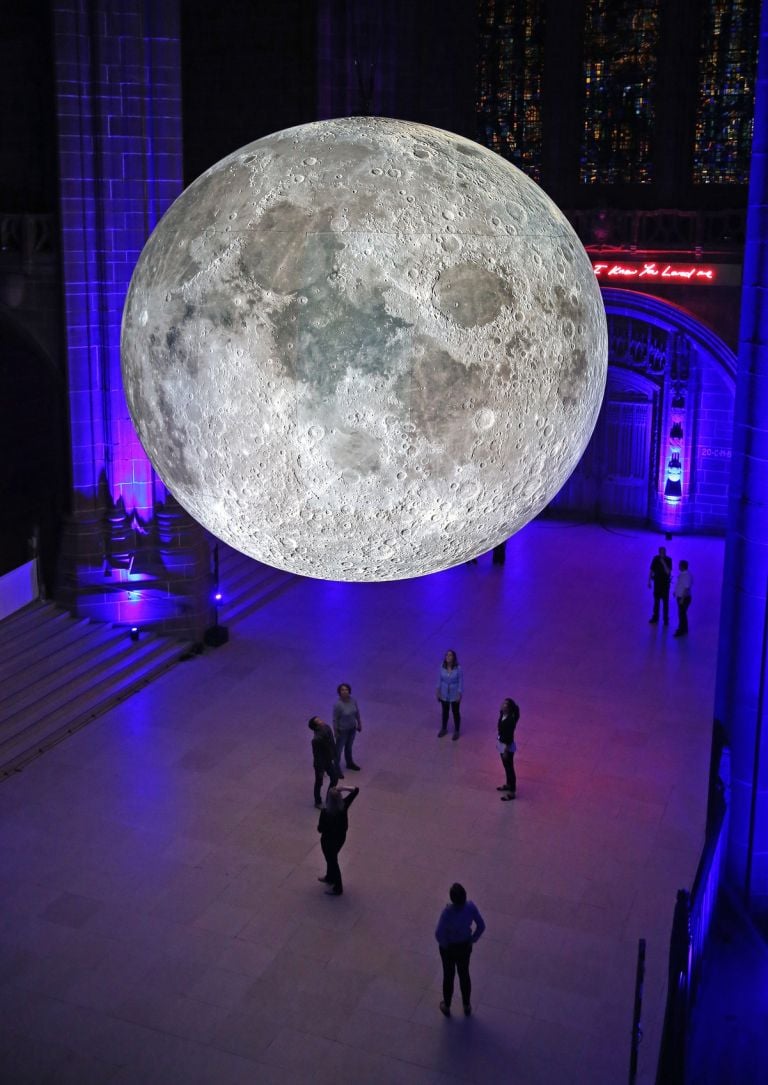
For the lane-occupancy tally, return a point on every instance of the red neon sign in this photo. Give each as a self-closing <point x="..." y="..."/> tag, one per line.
<point x="651" y="271"/>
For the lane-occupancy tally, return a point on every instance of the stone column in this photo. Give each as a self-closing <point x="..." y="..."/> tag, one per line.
<point x="118" y="92"/>
<point x="742" y="696"/>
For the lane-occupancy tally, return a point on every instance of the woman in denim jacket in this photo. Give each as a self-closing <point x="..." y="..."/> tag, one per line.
<point x="450" y="687"/>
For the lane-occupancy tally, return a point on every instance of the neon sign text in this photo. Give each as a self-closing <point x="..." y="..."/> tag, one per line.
<point x="655" y="272"/>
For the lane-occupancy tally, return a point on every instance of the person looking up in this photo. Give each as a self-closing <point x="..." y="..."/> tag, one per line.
<point x="455" y="937"/>
<point x="346" y="724"/>
<point x="450" y="687"/>
<point x="323" y="756"/>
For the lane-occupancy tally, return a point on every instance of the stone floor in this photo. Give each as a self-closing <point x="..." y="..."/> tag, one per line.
<point x="161" y="920"/>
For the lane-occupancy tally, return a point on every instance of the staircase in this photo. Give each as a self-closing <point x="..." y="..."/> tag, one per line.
<point x="246" y="585"/>
<point x="59" y="673"/>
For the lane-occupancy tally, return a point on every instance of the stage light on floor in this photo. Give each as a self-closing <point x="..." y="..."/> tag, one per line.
<point x="134" y="632"/>
<point x="215" y="636"/>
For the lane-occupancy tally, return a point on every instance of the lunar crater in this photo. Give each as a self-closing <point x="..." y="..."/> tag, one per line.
<point x="470" y="295"/>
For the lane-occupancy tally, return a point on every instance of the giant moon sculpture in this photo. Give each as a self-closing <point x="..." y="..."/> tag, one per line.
<point x="364" y="349"/>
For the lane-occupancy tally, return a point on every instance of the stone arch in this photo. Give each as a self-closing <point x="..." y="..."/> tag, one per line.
<point x="660" y="454"/>
<point x="672" y="318"/>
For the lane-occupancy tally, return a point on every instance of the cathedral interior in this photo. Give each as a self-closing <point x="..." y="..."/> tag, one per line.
<point x="159" y="916"/>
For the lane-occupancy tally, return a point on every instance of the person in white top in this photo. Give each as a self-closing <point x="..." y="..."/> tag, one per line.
<point x="683" y="586"/>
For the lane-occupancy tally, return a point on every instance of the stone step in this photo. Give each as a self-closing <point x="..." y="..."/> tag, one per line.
<point x="38" y="704"/>
<point x="76" y="658"/>
<point x="247" y="585"/>
<point x="32" y="614"/>
<point x="78" y="706"/>
<point x="237" y="570"/>
<point x="40" y="653"/>
<point x="58" y="673"/>
<point x="33" y="637"/>
<point x="261" y="595"/>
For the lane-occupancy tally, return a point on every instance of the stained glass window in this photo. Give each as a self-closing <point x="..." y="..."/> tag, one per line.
<point x="724" y="115"/>
<point x="509" y="80"/>
<point x="620" y="62"/>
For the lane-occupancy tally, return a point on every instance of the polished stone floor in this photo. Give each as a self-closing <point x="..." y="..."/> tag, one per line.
<point x="160" y="917"/>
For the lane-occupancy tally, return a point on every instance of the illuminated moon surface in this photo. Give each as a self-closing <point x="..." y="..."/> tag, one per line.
<point x="364" y="349"/>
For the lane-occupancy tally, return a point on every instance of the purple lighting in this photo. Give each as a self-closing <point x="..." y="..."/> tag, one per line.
<point x="120" y="158"/>
<point x="673" y="486"/>
<point x="119" y="186"/>
<point x="742" y="686"/>
<point x="690" y="464"/>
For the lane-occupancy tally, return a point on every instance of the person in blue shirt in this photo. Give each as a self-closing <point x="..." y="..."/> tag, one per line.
<point x="455" y="937"/>
<point x="450" y="687"/>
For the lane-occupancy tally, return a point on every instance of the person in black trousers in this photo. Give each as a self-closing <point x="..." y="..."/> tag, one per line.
<point x="660" y="576"/>
<point x="332" y="826"/>
<point x="450" y="687"/>
<point x="456" y="937"/>
<point x="323" y="756"/>
<point x="508" y="717"/>
<point x="683" y="587"/>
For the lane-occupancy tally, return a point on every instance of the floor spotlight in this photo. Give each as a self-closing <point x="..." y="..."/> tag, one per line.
<point x="134" y="632"/>
<point x="216" y="635"/>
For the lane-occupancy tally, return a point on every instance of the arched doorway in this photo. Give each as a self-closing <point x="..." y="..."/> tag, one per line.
<point x="612" y="479"/>
<point x="660" y="453"/>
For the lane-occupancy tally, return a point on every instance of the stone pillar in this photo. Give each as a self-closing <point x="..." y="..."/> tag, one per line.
<point x="742" y="696"/>
<point x="118" y="98"/>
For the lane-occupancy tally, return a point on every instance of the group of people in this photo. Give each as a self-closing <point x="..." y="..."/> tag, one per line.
<point x="328" y="745"/>
<point x="450" y="689"/>
<point x="660" y="579"/>
<point x="460" y="924"/>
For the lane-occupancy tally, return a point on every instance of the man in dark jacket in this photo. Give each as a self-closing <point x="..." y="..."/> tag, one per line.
<point x="660" y="576"/>
<point x="323" y="756"/>
<point x="332" y="826"/>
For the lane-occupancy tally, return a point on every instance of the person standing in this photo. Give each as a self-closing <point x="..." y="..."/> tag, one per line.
<point x="450" y="687"/>
<point x="346" y="724"/>
<point x="660" y="576"/>
<point x="332" y="826"/>
<point x="455" y="937"/>
<point x="508" y="717"/>
<point x="683" y="586"/>
<point x="323" y="756"/>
